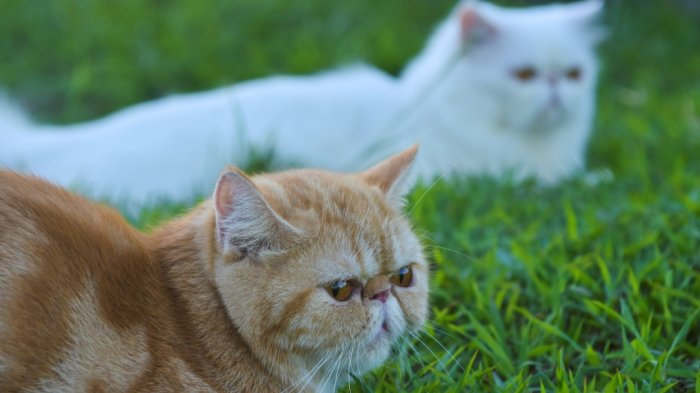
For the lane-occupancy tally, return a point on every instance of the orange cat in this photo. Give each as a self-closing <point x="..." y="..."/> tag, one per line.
<point x="282" y="282"/>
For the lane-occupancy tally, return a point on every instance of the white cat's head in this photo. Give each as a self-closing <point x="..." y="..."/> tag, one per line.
<point x="535" y="66"/>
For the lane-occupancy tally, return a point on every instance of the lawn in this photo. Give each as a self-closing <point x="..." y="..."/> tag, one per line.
<point x="573" y="288"/>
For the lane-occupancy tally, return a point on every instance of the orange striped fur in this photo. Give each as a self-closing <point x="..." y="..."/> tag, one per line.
<point x="231" y="297"/>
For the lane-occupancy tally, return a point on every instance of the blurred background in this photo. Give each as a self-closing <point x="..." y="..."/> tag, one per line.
<point x="539" y="269"/>
<point x="71" y="60"/>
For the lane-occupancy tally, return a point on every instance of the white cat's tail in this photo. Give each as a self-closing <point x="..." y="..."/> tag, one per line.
<point x="12" y="118"/>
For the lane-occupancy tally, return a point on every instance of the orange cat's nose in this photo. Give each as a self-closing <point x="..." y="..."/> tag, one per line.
<point x="381" y="296"/>
<point x="377" y="288"/>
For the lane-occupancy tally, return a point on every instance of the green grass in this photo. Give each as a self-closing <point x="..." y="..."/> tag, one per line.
<point x="574" y="288"/>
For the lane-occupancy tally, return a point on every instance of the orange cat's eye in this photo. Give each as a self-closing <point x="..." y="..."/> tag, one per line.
<point x="404" y="277"/>
<point x="525" y="74"/>
<point x="341" y="290"/>
<point x="574" y="73"/>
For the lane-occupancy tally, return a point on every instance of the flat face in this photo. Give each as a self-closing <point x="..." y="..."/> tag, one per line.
<point x="348" y="291"/>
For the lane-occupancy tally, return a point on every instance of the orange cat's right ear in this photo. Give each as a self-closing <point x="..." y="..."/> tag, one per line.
<point x="245" y="222"/>
<point x="393" y="175"/>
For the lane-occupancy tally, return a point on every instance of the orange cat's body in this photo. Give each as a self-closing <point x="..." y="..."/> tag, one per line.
<point x="85" y="307"/>
<point x="243" y="294"/>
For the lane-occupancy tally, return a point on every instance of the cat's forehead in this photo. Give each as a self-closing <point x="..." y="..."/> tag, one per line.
<point x="351" y="228"/>
<point x="338" y="254"/>
<point x="326" y="200"/>
<point x="546" y="45"/>
<point x="539" y="15"/>
<point x="566" y="29"/>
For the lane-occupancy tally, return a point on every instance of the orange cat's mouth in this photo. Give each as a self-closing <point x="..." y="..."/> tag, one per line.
<point x="384" y="333"/>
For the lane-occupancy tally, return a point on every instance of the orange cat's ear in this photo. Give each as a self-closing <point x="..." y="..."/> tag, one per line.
<point x="245" y="222"/>
<point x="393" y="175"/>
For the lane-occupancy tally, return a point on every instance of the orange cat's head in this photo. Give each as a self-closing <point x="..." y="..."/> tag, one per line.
<point x="320" y="268"/>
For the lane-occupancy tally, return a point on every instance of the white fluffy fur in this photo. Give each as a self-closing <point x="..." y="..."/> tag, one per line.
<point x="458" y="98"/>
<point x="176" y="147"/>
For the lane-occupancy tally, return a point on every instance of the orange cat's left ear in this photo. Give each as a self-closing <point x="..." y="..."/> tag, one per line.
<point x="393" y="175"/>
<point x="245" y="222"/>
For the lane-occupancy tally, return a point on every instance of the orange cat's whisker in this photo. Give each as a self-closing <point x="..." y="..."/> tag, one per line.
<point x="432" y="185"/>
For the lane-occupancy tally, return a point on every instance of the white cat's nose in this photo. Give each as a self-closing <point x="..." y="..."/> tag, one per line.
<point x="555" y="100"/>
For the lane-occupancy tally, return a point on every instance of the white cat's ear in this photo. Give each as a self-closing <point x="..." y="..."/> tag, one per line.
<point x="245" y="222"/>
<point x="586" y="14"/>
<point x="474" y="28"/>
<point x="393" y="175"/>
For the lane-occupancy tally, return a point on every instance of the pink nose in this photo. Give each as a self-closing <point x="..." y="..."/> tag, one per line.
<point x="381" y="296"/>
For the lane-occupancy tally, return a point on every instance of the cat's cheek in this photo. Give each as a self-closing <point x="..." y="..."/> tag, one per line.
<point x="414" y="306"/>
<point x="413" y="301"/>
<point x="333" y="322"/>
<point x="377" y="342"/>
<point x="396" y="319"/>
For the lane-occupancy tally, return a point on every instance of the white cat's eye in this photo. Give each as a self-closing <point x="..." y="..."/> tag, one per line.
<point x="342" y="290"/>
<point x="525" y="74"/>
<point x="403" y="277"/>
<point x="573" y="73"/>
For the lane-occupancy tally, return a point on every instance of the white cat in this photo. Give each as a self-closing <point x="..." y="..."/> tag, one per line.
<point x="507" y="90"/>
<point x="495" y="90"/>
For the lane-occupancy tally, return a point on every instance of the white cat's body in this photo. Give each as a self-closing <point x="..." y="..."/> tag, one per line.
<point x="459" y="99"/>
<point x="176" y="147"/>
